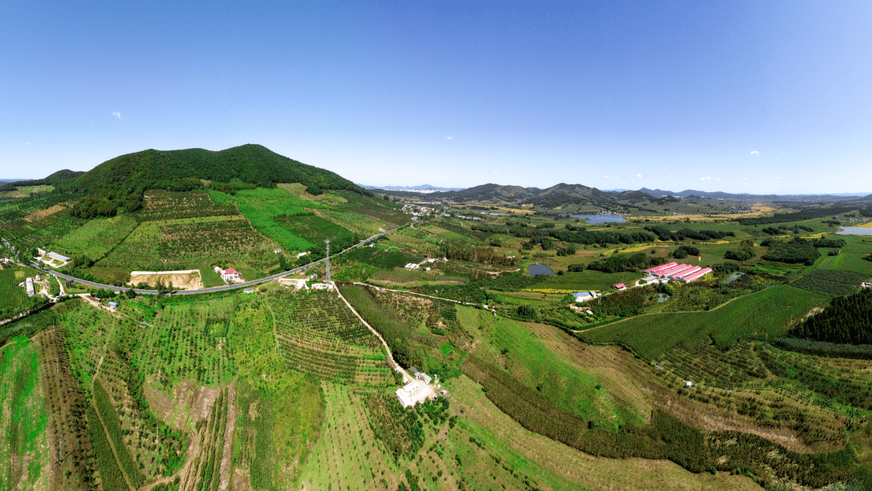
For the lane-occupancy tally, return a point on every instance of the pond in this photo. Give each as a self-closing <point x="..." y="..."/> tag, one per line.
<point x="855" y="231"/>
<point x="598" y="219"/>
<point x="537" y="269"/>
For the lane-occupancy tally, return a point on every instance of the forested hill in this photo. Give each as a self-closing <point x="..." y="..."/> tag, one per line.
<point x="847" y="320"/>
<point x="59" y="179"/>
<point x="118" y="184"/>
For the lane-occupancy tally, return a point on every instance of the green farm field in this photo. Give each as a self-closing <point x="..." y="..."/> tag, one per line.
<point x="766" y="313"/>
<point x="97" y="237"/>
<point x="191" y="243"/>
<point x="262" y="207"/>
<point x="23" y="418"/>
<point x="513" y="345"/>
<point x="588" y="280"/>
<point x="851" y="257"/>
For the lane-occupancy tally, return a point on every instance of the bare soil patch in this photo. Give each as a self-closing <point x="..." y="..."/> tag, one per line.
<point x="179" y="280"/>
<point x="43" y="213"/>
<point x="188" y="404"/>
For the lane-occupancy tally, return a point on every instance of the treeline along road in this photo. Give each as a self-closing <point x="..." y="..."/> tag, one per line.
<point x="213" y="289"/>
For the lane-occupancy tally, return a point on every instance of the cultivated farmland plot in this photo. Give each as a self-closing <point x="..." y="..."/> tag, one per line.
<point x="318" y="334"/>
<point x="193" y="243"/>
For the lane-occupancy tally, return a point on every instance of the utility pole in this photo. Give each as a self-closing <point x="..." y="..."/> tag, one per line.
<point x="328" y="260"/>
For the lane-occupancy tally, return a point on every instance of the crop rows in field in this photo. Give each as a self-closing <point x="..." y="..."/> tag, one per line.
<point x="382" y="258"/>
<point x="188" y="342"/>
<point x="97" y="237"/>
<point x="72" y="454"/>
<point x="109" y="419"/>
<point x="322" y="316"/>
<point x="381" y="211"/>
<point x="193" y="244"/>
<point x="163" y="205"/>
<point x="141" y="436"/>
<point x="39" y="232"/>
<point x="719" y="368"/>
<point x="316" y="229"/>
<point x="22" y="415"/>
<point x="205" y="470"/>
<point x="318" y="334"/>
<point x="831" y="282"/>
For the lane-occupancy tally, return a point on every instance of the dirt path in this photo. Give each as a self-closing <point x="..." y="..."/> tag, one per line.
<point x="391" y="363"/>
<point x="381" y="288"/>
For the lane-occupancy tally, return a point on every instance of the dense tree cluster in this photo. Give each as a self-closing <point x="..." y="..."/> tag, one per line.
<point x="665" y="234"/>
<point x="619" y="263"/>
<point x="794" y="251"/>
<point x="847" y="320"/>
<point x="831" y="243"/>
<point x="743" y="253"/>
<point x="798" y="216"/>
<point x="478" y="254"/>
<point x="684" y="251"/>
<point x="571" y="234"/>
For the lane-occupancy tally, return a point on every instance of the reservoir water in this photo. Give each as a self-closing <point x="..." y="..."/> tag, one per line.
<point x="598" y="219"/>
<point x="537" y="269"/>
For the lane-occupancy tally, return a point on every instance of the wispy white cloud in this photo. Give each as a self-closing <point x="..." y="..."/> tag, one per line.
<point x="450" y="138"/>
<point x="639" y="176"/>
<point x="27" y="143"/>
<point x="605" y="177"/>
<point x="755" y="152"/>
<point x="116" y="114"/>
<point x="705" y="178"/>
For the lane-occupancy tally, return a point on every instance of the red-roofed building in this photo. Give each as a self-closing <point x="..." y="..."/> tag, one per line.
<point x="620" y="286"/>
<point x="231" y="275"/>
<point x="695" y="276"/>
<point x="661" y="267"/>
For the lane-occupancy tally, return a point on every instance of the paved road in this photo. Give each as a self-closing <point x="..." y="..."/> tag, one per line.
<point x="214" y="288"/>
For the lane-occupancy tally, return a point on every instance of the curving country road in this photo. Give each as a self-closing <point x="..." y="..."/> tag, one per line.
<point x="214" y="288"/>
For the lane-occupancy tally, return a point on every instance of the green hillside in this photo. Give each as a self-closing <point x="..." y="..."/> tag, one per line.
<point x="119" y="184"/>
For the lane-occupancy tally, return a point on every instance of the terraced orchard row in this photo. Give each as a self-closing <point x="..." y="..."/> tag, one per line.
<point x="318" y="334"/>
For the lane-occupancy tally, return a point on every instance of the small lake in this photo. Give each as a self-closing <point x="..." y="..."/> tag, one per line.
<point x="537" y="269"/>
<point x="855" y="231"/>
<point x="598" y="219"/>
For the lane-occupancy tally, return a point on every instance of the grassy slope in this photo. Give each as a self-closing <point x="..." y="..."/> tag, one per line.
<point x="96" y="238"/>
<point x="767" y="312"/>
<point x="512" y="344"/>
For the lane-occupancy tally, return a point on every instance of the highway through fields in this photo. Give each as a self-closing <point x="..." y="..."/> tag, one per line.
<point x="213" y="289"/>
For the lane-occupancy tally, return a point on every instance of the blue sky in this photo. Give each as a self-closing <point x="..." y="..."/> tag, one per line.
<point x="763" y="97"/>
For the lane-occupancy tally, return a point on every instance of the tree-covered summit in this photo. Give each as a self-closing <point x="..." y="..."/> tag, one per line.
<point x="118" y="184"/>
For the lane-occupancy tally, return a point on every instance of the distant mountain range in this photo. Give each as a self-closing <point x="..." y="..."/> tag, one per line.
<point x="659" y="193"/>
<point x="424" y="188"/>
<point x="580" y="194"/>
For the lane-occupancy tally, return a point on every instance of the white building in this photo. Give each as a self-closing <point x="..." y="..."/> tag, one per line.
<point x="584" y="296"/>
<point x="230" y="275"/>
